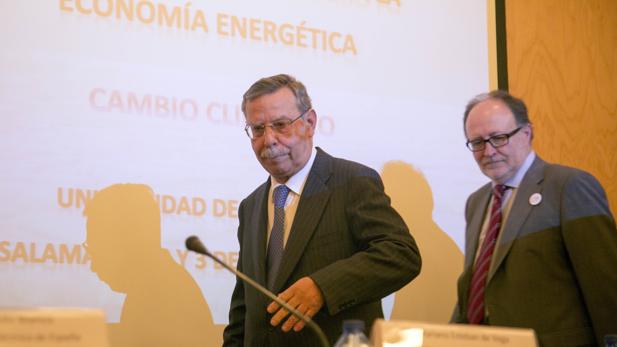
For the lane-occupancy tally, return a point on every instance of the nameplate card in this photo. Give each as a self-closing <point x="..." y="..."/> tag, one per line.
<point x="395" y="333"/>
<point x="47" y="327"/>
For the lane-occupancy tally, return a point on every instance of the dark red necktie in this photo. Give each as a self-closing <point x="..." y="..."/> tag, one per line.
<point x="475" y="307"/>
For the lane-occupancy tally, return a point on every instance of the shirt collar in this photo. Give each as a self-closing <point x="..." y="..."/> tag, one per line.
<point x="515" y="181"/>
<point x="295" y="183"/>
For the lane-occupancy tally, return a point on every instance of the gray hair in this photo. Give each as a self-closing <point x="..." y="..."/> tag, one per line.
<point x="516" y="105"/>
<point x="268" y="85"/>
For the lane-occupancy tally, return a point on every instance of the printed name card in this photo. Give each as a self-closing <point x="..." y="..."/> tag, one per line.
<point x="48" y="327"/>
<point x="418" y="334"/>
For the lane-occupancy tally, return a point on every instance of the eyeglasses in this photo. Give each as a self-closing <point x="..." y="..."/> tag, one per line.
<point x="281" y="126"/>
<point x="495" y="141"/>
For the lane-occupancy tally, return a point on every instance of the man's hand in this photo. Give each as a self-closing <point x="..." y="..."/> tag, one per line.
<point x="304" y="296"/>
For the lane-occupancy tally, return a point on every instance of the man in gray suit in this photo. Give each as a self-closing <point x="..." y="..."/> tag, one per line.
<point x="330" y="245"/>
<point x="541" y="243"/>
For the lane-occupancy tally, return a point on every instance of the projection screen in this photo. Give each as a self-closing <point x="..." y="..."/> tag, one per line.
<point x="100" y="92"/>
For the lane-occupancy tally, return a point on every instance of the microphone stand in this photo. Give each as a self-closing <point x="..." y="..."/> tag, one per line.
<point x="194" y="244"/>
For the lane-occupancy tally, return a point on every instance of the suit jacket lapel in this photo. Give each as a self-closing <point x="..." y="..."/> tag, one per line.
<point x="475" y="225"/>
<point x="259" y="233"/>
<point x="312" y="203"/>
<point x="518" y="212"/>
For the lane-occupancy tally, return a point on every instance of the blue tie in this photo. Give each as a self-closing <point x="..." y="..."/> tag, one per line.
<point x="275" y="245"/>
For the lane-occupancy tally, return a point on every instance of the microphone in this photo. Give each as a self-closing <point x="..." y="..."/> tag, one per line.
<point x="194" y="244"/>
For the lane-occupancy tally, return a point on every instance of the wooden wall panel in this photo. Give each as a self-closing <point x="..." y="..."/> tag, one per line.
<point x="562" y="60"/>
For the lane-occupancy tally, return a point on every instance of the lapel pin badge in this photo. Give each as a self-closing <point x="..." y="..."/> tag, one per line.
<point x="535" y="199"/>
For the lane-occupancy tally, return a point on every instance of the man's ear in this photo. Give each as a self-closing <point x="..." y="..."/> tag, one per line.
<point x="528" y="129"/>
<point x="311" y="120"/>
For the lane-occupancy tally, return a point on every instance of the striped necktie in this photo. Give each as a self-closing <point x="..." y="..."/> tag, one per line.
<point x="475" y="308"/>
<point x="275" y="245"/>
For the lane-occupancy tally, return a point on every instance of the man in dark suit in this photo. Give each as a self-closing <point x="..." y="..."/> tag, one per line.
<point x="541" y="243"/>
<point x="332" y="248"/>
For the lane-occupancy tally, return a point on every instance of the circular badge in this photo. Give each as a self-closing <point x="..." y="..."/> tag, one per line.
<point x="535" y="199"/>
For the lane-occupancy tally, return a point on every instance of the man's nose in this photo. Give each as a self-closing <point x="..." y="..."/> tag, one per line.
<point x="269" y="136"/>
<point x="489" y="149"/>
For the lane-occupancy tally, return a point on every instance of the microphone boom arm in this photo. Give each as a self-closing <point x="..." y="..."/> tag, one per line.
<point x="194" y="244"/>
